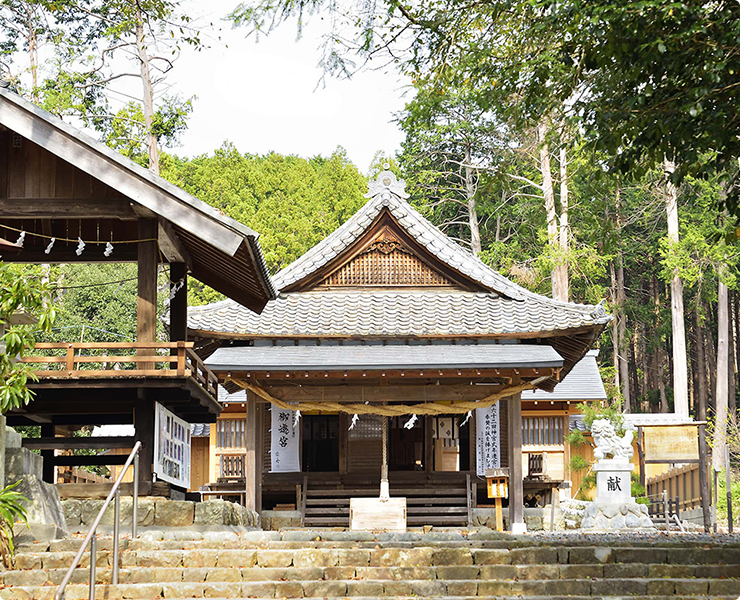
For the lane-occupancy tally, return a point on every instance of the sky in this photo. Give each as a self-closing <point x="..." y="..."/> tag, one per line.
<point x="266" y="96"/>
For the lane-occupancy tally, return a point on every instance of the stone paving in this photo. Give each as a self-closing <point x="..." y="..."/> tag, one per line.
<point x="182" y="564"/>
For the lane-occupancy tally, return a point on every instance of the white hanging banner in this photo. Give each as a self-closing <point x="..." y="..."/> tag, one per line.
<point x="284" y="441"/>
<point x="487" y="439"/>
<point x="172" y="447"/>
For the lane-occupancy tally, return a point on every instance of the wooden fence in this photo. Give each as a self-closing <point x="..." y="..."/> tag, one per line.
<point x="75" y="475"/>
<point x="681" y="483"/>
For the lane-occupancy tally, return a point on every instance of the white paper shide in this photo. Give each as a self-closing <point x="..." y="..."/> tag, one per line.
<point x="172" y="445"/>
<point x="284" y="441"/>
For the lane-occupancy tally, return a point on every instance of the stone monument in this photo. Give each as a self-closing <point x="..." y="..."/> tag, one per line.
<point x="614" y="507"/>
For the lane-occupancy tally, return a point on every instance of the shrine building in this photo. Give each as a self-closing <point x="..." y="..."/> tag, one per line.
<point x="404" y="355"/>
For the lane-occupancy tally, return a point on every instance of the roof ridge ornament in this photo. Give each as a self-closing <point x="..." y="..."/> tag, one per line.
<point x="386" y="183"/>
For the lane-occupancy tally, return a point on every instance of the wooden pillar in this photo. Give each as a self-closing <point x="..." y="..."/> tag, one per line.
<point x="179" y="304"/>
<point x="144" y="432"/>
<point x="47" y="472"/>
<point x="343" y="443"/>
<point x="428" y="444"/>
<point x="516" y="486"/>
<point x="146" y="304"/>
<point x="212" y="456"/>
<point x="252" y="457"/>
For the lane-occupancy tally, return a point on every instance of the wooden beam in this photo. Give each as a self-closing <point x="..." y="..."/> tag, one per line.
<point x="370" y="376"/>
<point x="171" y="246"/>
<point x="92" y="460"/>
<point x="75" y="443"/>
<point x="67" y="208"/>
<point x="390" y="393"/>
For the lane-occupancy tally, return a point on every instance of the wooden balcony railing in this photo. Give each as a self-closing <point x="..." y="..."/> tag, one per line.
<point x="76" y="360"/>
<point x="231" y="466"/>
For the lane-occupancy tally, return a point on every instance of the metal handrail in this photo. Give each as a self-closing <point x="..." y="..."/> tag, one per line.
<point x="91" y="537"/>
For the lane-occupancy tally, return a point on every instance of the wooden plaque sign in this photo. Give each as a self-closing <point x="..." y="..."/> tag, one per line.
<point x="671" y="443"/>
<point x="372" y="514"/>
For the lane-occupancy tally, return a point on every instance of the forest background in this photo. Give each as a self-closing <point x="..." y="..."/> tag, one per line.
<point x="588" y="158"/>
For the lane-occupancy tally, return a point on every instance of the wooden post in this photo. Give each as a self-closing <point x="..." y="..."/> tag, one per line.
<point x="704" y="479"/>
<point x="146" y="304"/>
<point x="212" y="456"/>
<point x="253" y="448"/>
<point x="641" y="454"/>
<point x="47" y="472"/>
<point x="179" y="304"/>
<point x="516" y="483"/>
<point x="428" y="444"/>
<point x="728" y="487"/>
<point x="343" y="443"/>
<point x="144" y="433"/>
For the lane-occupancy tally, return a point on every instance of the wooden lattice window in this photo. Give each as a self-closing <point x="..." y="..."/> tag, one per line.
<point x="231" y="433"/>
<point x="542" y="431"/>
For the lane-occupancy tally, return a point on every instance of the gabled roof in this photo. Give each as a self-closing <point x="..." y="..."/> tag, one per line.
<point x="225" y="253"/>
<point x="582" y="384"/>
<point x="388" y="192"/>
<point x="500" y="309"/>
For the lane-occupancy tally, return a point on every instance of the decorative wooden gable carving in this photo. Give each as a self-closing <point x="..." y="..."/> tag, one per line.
<point x="385" y="256"/>
<point x="386" y="261"/>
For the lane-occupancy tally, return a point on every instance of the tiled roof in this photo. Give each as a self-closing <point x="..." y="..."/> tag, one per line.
<point x="507" y="309"/>
<point x="200" y="429"/>
<point x="378" y="356"/>
<point x="388" y="192"/>
<point x="391" y="313"/>
<point x="639" y="420"/>
<point x="581" y="384"/>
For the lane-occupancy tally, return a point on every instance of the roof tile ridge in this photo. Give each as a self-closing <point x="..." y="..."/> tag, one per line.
<point x="281" y="278"/>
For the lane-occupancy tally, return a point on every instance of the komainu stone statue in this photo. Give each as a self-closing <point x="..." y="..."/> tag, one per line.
<point x="607" y="441"/>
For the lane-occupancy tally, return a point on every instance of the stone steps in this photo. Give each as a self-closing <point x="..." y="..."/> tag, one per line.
<point x="54" y="576"/>
<point x="324" y="564"/>
<point x="387" y="588"/>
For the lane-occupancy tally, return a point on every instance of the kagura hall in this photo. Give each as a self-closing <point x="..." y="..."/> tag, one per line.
<point x="406" y="357"/>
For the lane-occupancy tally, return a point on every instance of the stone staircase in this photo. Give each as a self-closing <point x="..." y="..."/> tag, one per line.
<point x="184" y="564"/>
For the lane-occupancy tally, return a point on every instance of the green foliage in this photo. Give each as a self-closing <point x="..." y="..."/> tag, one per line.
<point x="292" y="202"/>
<point x="722" y="496"/>
<point x="638" y="490"/>
<point x="575" y="439"/>
<point x="11" y="512"/>
<point x="578" y="463"/>
<point x="20" y="294"/>
<point x="612" y="412"/>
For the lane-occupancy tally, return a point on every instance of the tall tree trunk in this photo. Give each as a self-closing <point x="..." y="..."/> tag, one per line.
<point x="470" y="190"/>
<point x="710" y="358"/>
<point x="549" y="195"/>
<point x="701" y="392"/>
<point x="615" y="325"/>
<point x="148" y="91"/>
<point x="622" y="338"/>
<point x="562" y="266"/>
<point x="680" y="375"/>
<point x="659" y="353"/>
<point x="723" y="347"/>
<point x="731" y="390"/>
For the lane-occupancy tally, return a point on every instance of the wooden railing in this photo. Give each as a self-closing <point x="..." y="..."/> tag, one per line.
<point x="231" y="466"/>
<point x="121" y="359"/>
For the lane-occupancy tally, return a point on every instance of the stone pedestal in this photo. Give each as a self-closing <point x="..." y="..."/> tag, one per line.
<point x="614" y="507"/>
<point x="613" y="483"/>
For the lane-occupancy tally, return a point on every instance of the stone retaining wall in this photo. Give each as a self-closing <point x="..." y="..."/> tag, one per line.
<point x="160" y="512"/>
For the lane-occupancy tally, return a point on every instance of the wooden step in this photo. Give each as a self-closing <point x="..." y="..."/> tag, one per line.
<point x="409" y="501"/>
<point x="374" y="492"/>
